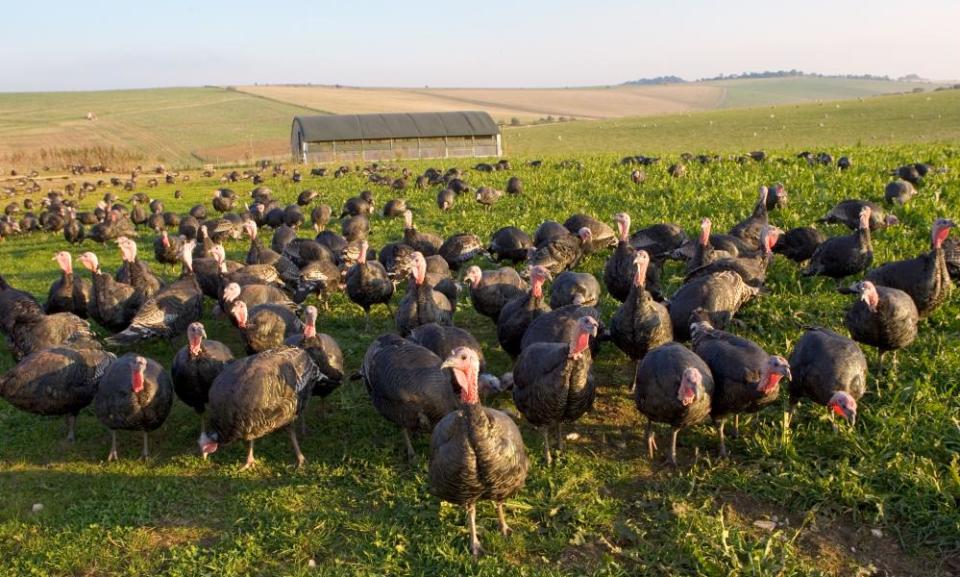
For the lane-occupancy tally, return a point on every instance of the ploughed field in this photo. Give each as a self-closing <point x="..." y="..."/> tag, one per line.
<point x="882" y="495"/>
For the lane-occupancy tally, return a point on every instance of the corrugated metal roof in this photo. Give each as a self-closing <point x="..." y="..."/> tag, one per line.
<point x="401" y="125"/>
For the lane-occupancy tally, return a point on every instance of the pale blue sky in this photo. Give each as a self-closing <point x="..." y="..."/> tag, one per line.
<point x="92" y="44"/>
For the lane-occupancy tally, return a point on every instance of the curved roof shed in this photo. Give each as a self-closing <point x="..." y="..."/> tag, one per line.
<point x="399" y="135"/>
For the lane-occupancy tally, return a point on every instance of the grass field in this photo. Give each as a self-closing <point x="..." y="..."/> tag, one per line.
<point x="887" y="120"/>
<point x="189" y="127"/>
<point x="881" y="499"/>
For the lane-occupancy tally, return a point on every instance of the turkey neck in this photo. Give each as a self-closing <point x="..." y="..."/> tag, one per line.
<point x="864" y="236"/>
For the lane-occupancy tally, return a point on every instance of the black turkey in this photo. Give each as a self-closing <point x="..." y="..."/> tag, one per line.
<point x="828" y="369"/>
<point x="925" y="278"/>
<point x="618" y="272"/>
<point x="640" y="323"/>
<point x="323" y="349"/>
<point x="517" y="314"/>
<point x="601" y="234"/>
<point x="422" y="304"/>
<point x="659" y="240"/>
<point x="752" y="269"/>
<point x="407" y="385"/>
<point x="491" y="290"/>
<point x="253" y="295"/>
<point x="194" y="368"/>
<point x="56" y="381"/>
<point x="577" y="288"/>
<point x="460" y="248"/>
<point x="847" y="212"/>
<point x="510" y="243"/>
<point x="257" y="395"/>
<point x="899" y="192"/>
<point x="674" y="386"/>
<point x="883" y="317"/>
<point x="69" y="293"/>
<point x="562" y="252"/>
<point x="33" y="331"/>
<point x="134" y="271"/>
<point x="368" y="284"/>
<point x="842" y="256"/>
<point x="264" y="326"/>
<point x="720" y="295"/>
<point x="425" y="243"/>
<point x="442" y="341"/>
<point x="112" y="304"/>
<point x="475" y="452"/>
<point x="560" y="326"/>
<point x="135" y="394"/>
<point x="799" y="244"/>
<point x="748" y="229"/>
<point x="487" y="196"/>
<point x="553" y="383"/>
<point x="13" y="303"/>
<point x="167" y="250"/>
<point x="745" y="377"/>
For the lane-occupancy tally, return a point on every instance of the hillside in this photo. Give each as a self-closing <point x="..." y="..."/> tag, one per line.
<point x="900" y="119"/>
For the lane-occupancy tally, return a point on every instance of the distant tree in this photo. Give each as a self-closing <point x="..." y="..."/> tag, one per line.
<point x="550" y="118"/>
<point x="514" y="121"/>
<point x="918" y="90"/>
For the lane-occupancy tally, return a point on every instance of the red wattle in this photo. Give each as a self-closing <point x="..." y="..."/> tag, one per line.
<point x="137" y="385"/>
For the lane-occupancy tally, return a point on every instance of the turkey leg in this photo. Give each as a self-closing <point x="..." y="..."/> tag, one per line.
<point x="673" y="447"/>
<point x="296" y="446"/>
<point x="472" y="518"/>
<point x="113" y="446"/>
<point x="546" y="445"/>
<point x="145" y="453"/>
<point x="250" y="460"/>
<point x="504" y="528"/>
<point x="71" y="428"/>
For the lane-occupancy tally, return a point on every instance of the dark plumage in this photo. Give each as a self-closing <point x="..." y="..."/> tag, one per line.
<point x="619" y="269"/>
<point x="488" y="196"/>
<point x="899" y="192"/>
<point x="422" y="304"/>
<point x="847" y="212"/>
<point x="56" y="381"/>
<point x="883" y="317"/>
<point x="561" y="252"/>
<point x="442" y="341"/>
<point x="112" y="304"/>
<point x="552" y="381"/>
<point x="748" y="229"/>
<point x="135" y="394"/>
<point x="925" y="278"/>
<point x="265" y="326"/>
<point x="576" y="288"/>
<point x="258" y="395"/>
<point x="323" y="349"/>
<point x="601" y="234"/>
<point x="425" y="243"/>
<point x="799" y="244"/>
<point x="196" y="366"/>
<point x="746" y="378"/>
<point x="69" y="293"/>
<point x="659" y="240"/>
<point x="828" y="369"/>
<point x="491" y="290"/>
<point x="720" y="295"/>
<point x="510" y="243"/>
<point x="460" y="248"/>
<point x="517" y="314"/>
<point x="368" y="284"/>
<point x="674" y="386"/>
<point x="842" y="256"/>
<point x="640" y="323"/>
<point x="407" y="385"/>
<point x="475" y="452"/>
<point x="446" y="198"/>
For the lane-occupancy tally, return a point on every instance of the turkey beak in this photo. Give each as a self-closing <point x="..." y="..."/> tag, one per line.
<point x="448" y="364"/>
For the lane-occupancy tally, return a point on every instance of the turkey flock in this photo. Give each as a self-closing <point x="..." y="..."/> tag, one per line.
<point x="429" y="376"/>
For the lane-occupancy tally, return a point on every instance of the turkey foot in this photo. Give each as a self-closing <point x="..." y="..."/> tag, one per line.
<point x="250" y="460"/>
<point x="504" y="528"/>
<point x="113" y="447"/>
<point x="296" y="446"/>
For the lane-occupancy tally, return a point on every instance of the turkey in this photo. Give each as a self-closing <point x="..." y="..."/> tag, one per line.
<point x="135" y="272"/>
<point x="253" y="295"/>
<point x="488" y="196"/>
<point x="510" y="243"/>
<point x="748" y="229"/>
<point x="745" y="377"/>
<point x="33" y="331"/>
<point x="167" y="250"/>
<point x="195" y="366"/>
<point x="56" y="381"/>
<point x="491" y="290"/>
<point x="69" y="293"/>
<point x="324" y="351"/>
<point x="357" y="205"/>
<point x="169" y="312"/>
<point x="659" y="240"/>
<point x="514" y="185"/>
<point x="394" y="208"/>
<point x="265" y="326"/>
<point x="618" y="272"/>
<point x="13" y="303"/>
<point x="355" y="228"/>
<point x="925" y="278"/>
<point x="552" y="382"/>
<point x="752" y="269"/>
<point x="257" y="395"/>
<point x="112" y="304"/>
<point x="460" y="248"/>
<point x="407" y="385"/>
<point x="577" y="288"/>
<point x="548" y="231"/>
<point x="704" y="251"/>
<point x="517" y="314"/>
<point x="601" y="234"/>
<point x="425" y="243"/>
<point x="842" y="256"/>
<point x="446" y="198"/>
<point x="847" y="212"/>
<point x="883" y="317"/>
<point x="673" y="386"/>
<point x="799" y="244"/>
<point x="422" y="304"/>
<point x="899" y="192"/>
<point x="828" y="369"/>
<point x="135" y="394"/>
<point x="560" y="325"/>
<point x="562" y="252"/>
<point x="776" y="197"/>
<point x="368" y="284"/>
<point x="475" y="452"/>
<point x="640" y="323"/>
<point x="442" y="341"/>
<point x="720" y="295"/>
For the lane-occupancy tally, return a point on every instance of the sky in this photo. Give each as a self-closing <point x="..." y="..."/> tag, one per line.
<point x="93" y="44"/>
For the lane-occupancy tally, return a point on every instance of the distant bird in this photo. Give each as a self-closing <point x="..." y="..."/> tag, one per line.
<point x="830" y="370"/>
<point x="475" y="452"/>
<point x="514" y="185"/>
<point x="460" y="248"/>
<point x="899" y="192"/>
<point x="746" y="378"/>
<point x="394" y="208"/>
<point x="553" y="383"/>
<point x="257" y="395"/>
<point x="135" y="394"/>
<point x="408" y="385"/>
<point x="194" y="368"/>
<point x="488" y="196"/>
<point x="638" y="176"/>
<point x="883" y="317"/>
<point x="56" y="381"/>
<point x="842" y="256"/>
<point x="673" y="386"/>
<point x="446" y="198"/>
<point x="425" y="243"/>
<point x="925" y="278"/>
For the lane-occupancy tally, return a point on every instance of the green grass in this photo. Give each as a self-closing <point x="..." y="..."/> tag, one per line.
<point x="744" y="92"/>
<point x="604" y="509"/>
<point x="883" y="120"/>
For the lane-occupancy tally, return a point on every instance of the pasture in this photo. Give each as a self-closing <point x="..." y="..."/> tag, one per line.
<point x="878" y="499"/>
